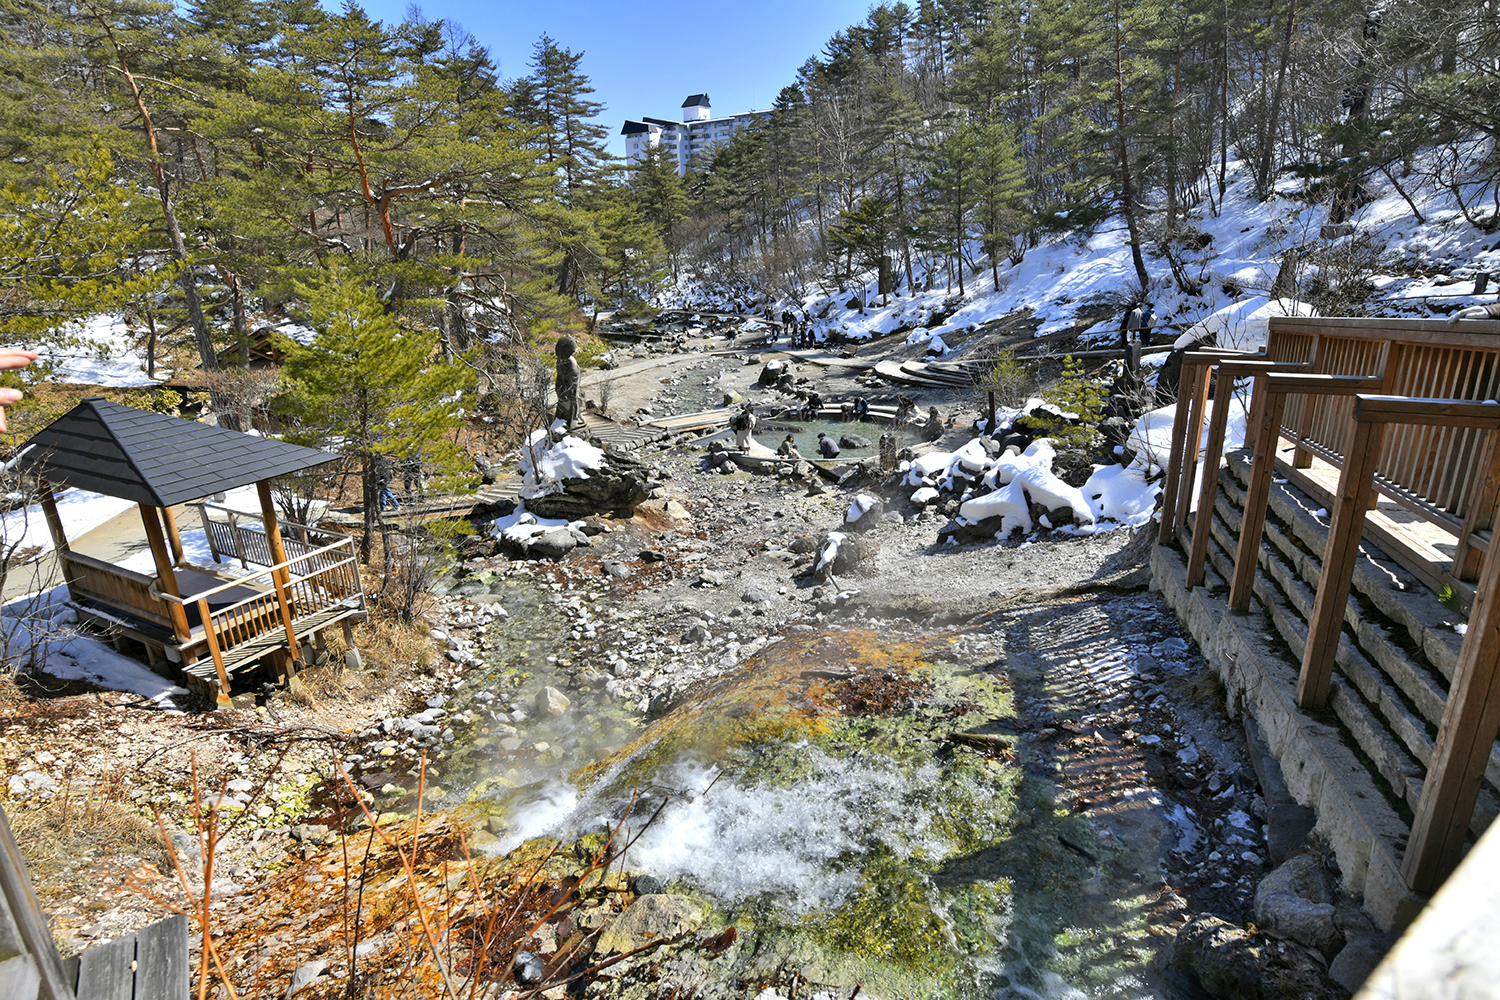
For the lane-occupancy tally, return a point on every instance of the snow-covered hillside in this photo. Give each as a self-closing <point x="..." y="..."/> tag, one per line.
<point x="1421" y="268"/>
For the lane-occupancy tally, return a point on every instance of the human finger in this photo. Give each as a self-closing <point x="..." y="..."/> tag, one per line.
<point x="16" y="359"/>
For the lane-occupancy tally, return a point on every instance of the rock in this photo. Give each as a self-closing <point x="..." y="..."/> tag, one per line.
<point x="651" y="556"/>
<point x="352" y="659"/>
<point x="645" y="885"/>
<point x="552" y="544"/>
<point x="528" y="968"/>
<point x="1294" y="902"/>
<point x="710" y="578"/>
<point x="697" y="633"/>
<point x="308" y="833"/>
<point x="864" y="511"/>
<point x="649" y="917"/>
<point x="1222" y="957"/>
<point x="854" y="442"/>
<point x="755" y="595"/>
<point x="32" y="781"/>
<point x="552" y="702"/>
<point x="1354" y="963"/>
<point x="803" y="544"/>
<point x="304" y="976"/>
<point x="615" y="569"/>
<point x="620" y="482"/>
<point x="1232" y="964"/>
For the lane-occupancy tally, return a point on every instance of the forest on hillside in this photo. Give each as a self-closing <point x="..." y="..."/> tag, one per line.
<point x="956" y="135"/>
<point x="204" y="168"/>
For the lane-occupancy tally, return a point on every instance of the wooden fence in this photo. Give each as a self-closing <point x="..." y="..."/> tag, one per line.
<point x="149" y="964"/>
<point x="1347" y="411"/>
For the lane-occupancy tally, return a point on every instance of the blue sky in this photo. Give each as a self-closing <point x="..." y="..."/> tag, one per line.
<point x="644" y="57"/>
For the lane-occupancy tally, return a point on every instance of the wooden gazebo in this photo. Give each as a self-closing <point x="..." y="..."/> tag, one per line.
<point x="209" y="622"/>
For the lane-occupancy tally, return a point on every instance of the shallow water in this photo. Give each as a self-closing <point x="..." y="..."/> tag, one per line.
<point x="773" y="430"/>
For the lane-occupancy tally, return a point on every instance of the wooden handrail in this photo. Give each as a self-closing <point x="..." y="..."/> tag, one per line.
<point x="1228" y="371"/>
<point x="272" y="569"/>
<point x="74" y="556"/>
<point x="1418" y="410"/>
<point x="1263" y="466"/>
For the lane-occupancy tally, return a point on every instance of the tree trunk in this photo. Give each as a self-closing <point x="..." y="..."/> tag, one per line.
<point x="1263" y="171"/>
<point x="1127" y="190"/>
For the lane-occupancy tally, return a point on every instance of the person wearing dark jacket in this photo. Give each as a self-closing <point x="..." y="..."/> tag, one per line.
<point x="827" y="446"/>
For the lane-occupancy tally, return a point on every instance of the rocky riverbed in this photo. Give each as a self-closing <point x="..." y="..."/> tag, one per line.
<point x="995" y="768"/>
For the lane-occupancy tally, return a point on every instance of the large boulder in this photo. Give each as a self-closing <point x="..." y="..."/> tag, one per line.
<point x="1229" y="963"/>
<point x="1294" y="902"/>
<point x="621" y="482"/>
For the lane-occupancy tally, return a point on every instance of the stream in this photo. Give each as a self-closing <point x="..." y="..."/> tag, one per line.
<point x="1004" y="808"/>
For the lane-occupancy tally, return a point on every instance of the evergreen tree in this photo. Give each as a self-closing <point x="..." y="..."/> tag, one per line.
<point x="368" y="386"/>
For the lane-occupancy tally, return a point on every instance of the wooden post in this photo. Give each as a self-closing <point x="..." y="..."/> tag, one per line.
<point x="1172" y="483"/>
<point x="1471" y="720"/>
<point x="1327" y="621"/>
<point x="1193" y="441"/>
<point x="213" y="648"/>
<point x="1203" y="524"/>
<point x="1479" y="512"/>
<point x="1229" y="372"/>
<point x="1257" y="498"/>
<point x="173" y="538"/>
<point x="54" y="520"/>
<point x="280" y="577"/>
<point x="55" y="529"/>
<point x="165" y="577"/>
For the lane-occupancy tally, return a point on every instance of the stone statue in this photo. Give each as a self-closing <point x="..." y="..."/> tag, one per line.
<point x="568" y="409"/>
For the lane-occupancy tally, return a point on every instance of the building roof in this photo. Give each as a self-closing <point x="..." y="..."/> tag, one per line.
<point x="154" y="458"/>
<point x="634" y="128"/>
<point x="696" y="101"/>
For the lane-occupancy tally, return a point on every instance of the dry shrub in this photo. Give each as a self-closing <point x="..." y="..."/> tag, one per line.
<point x="386" y="643"/>
<point x="54" y="835"/>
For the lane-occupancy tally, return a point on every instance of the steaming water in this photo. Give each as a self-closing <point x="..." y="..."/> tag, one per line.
<point x="789" y="844"/>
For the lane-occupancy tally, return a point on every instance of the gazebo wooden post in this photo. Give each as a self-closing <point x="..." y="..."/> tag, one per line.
<point x="175" y="611"/>
<point x="280" y="577"/>
<point x="54" y="526"/>
<point x="54" y="520"/>
<point x="173" y="538"/>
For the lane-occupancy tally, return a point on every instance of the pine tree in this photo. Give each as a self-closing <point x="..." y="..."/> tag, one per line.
<point x="369" y="386"/>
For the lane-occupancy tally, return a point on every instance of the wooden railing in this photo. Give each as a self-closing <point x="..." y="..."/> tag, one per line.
<point x="96" y="580"/>
<point x="303" y="587"/>
<point x="1471" y="715"/>
<point x="1400" y="409"/>
<point x="1434" y="471"/>
<point x="243" y="537"/>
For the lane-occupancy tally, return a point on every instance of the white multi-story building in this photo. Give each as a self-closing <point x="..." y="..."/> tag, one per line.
<point x="697" y="131"/>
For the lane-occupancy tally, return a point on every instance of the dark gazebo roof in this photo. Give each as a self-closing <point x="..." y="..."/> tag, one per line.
<point x="154" y="458"/>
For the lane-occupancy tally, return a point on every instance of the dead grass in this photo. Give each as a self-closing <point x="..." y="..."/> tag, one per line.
<point x="56" y="835"/>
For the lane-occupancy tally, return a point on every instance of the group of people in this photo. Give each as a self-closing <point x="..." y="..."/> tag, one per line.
<point x="798" y="329"/>
<point x="827" y="447"/>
